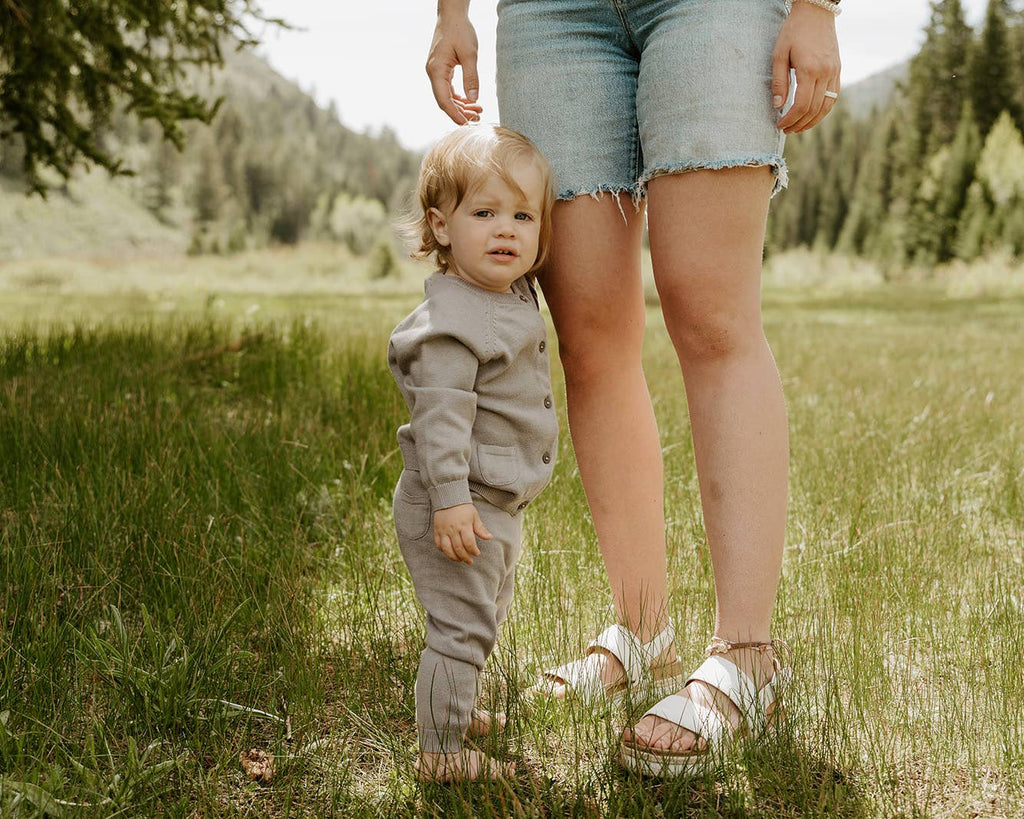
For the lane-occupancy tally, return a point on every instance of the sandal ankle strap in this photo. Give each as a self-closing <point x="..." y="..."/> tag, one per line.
<point x="719" y="645"/>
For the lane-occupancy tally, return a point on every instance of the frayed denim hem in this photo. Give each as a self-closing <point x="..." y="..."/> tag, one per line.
<point x="773" y="161"/>
<point x="636" y="195"/>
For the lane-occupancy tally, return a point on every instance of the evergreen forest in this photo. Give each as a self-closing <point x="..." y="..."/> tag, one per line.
<point x="272" y="167"/>
<point x="934" y="174"/>
<point x="932" y="170"/>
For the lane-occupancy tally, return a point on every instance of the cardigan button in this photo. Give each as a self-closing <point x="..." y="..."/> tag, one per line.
<point x="546" y="457"/>
<point x="543" y="346"/>
<point x="547" y="402"/>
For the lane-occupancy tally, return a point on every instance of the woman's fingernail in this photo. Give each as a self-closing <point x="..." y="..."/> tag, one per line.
<point x="777" y="101"/>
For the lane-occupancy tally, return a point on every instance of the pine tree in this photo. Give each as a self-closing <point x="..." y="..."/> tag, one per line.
<point x="1001" y="164"/>
<point x="837" y="140"/>
<point x="1016" y="23"/>
<point x="955" y="182"/>
<point x="871" y="189"/>
<point x="209" y="191"/>
<point x="992" y="70"/>
<point x="936" y="87"/>
<point x="933" y="219"/>
<point x="974" y="229"/>
<point x="990" y="216"/>
<point x="64" y="68"/>
<point x="160" y="179"/>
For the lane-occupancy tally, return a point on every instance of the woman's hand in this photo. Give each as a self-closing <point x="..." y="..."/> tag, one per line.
<point x="454" y="44"/>
<point x="806" y="42"/>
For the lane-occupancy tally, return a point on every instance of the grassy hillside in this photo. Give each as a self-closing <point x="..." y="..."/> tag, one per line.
<point x="96" y="215"/>
<point x="273" y="167"/>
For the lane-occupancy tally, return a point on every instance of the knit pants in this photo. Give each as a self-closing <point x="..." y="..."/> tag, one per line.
<point x="465" y="606"/>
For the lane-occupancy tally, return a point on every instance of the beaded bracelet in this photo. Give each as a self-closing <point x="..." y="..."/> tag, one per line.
<point x="830" y="5"/>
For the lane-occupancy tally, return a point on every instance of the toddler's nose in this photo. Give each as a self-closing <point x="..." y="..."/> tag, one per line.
<point x="506" y="228"/>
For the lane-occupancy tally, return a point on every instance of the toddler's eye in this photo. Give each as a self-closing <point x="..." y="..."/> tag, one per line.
<point x="482" y="214"/>
<point x="524" y="217"/>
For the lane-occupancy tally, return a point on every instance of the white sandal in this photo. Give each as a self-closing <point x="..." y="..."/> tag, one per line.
<point x="759" y="710"/>
<point x="641" y="661"/>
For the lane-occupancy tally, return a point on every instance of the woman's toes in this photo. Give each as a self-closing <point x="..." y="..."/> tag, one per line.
<point x="662" y="735"/>
<point x="555" y="690"/>
<point x="548" y="690"/>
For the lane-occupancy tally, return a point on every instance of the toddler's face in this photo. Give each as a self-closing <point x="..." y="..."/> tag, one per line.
<point x="494" y="232"/>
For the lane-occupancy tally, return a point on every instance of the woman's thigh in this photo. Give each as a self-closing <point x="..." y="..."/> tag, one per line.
<point x="592" y="282"/>
<point x="707" y="237"/>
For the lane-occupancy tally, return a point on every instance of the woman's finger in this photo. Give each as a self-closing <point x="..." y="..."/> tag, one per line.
<point x="454" y="44"/>
<point x="828" y="103"/>
<point x="811" y="115"/>
<point x="444" y="95"/>
<point x="470" y="112"/>
<point x="801" y="104"/>
<point x="780" y="78"/>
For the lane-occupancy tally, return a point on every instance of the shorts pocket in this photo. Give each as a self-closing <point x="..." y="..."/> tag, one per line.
<point x="499" y="465"/>
<point x="412" y="512"/>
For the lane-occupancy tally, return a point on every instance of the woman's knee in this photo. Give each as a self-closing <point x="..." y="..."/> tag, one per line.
<point x="710" y="330"/>
<point x="593" y="286"/>
<point x="592" y="347"/>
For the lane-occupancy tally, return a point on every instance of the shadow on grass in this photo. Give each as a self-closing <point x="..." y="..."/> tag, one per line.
<point x="778" y="778"/>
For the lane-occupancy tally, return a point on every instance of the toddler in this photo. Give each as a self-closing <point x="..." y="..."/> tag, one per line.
<point x="471" y="362"/>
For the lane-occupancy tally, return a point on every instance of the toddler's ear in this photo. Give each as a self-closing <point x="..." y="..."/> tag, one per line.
<point x="439" y="226"/>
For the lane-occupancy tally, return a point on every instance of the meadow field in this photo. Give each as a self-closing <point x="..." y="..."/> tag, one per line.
<point x="197" y="558"/>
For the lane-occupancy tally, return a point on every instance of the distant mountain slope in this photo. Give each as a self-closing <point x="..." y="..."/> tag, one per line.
<point x="97" y="216"/>
<point x="266" y="170"/>
<point x="875" y="91"/>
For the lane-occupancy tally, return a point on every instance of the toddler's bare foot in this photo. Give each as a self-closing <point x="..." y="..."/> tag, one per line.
<point x="483" y="721"/>
<point x="467" y="765"/>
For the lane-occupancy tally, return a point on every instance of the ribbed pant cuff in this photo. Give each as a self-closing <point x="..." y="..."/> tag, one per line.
<point x="441" y="742"/>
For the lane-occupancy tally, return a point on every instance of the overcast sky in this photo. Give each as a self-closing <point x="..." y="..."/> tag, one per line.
<point x="368" y="57"/>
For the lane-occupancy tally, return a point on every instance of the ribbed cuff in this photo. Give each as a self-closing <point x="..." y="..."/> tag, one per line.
<point x="449" y="494"/>
<point x="441" y="742"/>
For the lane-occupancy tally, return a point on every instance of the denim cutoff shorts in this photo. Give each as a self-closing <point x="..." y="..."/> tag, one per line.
<point x="617" y="92"/>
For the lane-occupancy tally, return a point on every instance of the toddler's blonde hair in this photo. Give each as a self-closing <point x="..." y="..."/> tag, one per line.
<point x="457" y="164"/>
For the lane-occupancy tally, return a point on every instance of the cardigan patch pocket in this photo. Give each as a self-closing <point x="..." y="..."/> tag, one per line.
<point x="499" y="465"/>
<point x="411" y="510"/>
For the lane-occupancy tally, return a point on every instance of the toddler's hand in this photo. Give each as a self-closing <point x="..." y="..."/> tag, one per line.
<point x="456" y="530"/>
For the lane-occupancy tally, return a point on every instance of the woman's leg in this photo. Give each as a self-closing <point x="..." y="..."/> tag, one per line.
<point x="707" y="236"/>
<point x="592" y="284"/>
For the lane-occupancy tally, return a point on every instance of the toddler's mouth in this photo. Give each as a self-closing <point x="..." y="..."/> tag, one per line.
<point x="502" y="251"/>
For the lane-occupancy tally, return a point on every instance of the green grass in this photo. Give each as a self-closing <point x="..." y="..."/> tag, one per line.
<point x="197" y="559"/>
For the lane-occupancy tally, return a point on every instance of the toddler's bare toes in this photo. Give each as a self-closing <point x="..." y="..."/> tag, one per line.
<point x="464" y="766"/>
<point x="483" y="722"/>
